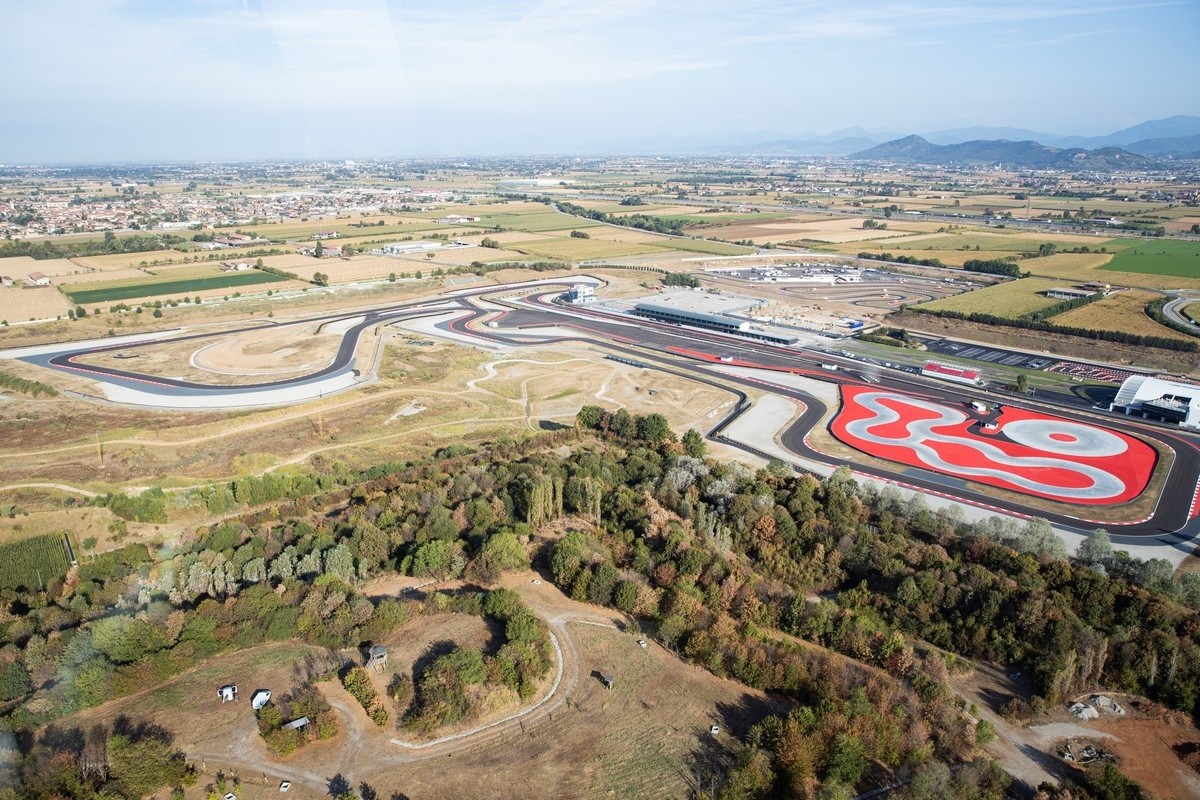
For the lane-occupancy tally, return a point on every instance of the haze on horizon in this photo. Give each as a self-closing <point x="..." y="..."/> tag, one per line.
<point x="97" y="80"/>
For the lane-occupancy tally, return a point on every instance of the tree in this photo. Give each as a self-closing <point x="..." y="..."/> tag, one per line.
<point x="580" y="235"/>
<point x="320" y="279"/>
<point x="145" y="765"/>
<point x="1096" y="549"/>
<point x="653" y="428"/>
<point x="1022" y="383"/>
<point x="489" y="242"/>
<point x="589" y="417"/>
<point x="319" y="250"/>
<point x="501" y="552"/>
<point x="693" y="443"/>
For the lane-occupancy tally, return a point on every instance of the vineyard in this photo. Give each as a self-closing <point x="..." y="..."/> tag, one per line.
<point x="32" y="562"/>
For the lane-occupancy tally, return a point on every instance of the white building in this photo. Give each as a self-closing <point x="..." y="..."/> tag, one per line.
<point x="581" y="293"/>
<point x="1160" y="399"/>
<point x="407" y="248"/>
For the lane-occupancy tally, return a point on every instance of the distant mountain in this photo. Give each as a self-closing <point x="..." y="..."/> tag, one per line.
<point x="1175" y="147"/>
<point x="956" y="135"/>
<point x="1163" y="138"/>
<point x="1169" y="128"/>
<point x="915" y="149"/>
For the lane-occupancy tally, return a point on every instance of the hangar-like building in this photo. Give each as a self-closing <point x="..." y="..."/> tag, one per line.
<point x="679" y="314"/>
<point x="1159" y="399"/>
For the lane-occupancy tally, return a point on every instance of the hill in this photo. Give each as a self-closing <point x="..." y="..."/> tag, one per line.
<point x="914" y="149"/>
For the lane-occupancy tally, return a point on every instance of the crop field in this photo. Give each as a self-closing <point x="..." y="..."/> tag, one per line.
<point x="703" y="246"/>
<point x="1192" y="312"/>
<point x="572" y="249"/>
<point x="18" y="267"/>
<point x="19" y="303"/>
<point x="128" y="290"/>
<point x="1174" y="259"/>
<point x="1011" y="299"/>
<point x="32" y="562"/>
<point x="1123" y="311"/>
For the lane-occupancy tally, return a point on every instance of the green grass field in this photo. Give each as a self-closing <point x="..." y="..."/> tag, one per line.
<point x="82" y="293"/>
<point x="1010" y="299"/>
<point x="1155" y="257"/>
<point x="533" y="223"/>
<point x="32" y="562"/>
<point x="1192" y="312"/>
<point x="703" y="246"/>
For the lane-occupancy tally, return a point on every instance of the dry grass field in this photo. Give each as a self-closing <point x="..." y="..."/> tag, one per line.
<point x="19" y="303"/>
<point x="1122" y="311"/>
<point x="572" y="249"/>
<point x="1010" y="299"/>
<point x="17" y="267"/>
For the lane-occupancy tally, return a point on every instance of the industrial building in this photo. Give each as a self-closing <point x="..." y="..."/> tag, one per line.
<point x="1159" y="399"/>
<point x="1070" y="293"/>
<point x="682" y="315"/>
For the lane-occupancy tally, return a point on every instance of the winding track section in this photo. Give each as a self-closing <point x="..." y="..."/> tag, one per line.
<point x="669" y="349"/>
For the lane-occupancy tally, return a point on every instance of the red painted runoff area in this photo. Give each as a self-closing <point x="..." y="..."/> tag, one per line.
<point x="1025" y="451"/>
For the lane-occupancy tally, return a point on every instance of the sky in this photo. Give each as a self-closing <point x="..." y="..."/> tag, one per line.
<point x="146" y="80"/>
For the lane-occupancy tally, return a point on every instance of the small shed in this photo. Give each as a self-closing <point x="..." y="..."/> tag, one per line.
<point x="377" y="657"/>
<point x="260" y="699"/>
<point x="227" y="693"/>
<point x="297" y="724"/>
<point x="607" y="678"/>
<point x="38" y="279"/>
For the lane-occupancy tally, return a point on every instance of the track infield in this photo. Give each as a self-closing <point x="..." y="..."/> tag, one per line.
<point x="1026" y="451"/>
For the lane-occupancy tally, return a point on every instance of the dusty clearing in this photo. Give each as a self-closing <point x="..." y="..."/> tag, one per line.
<point x="19" y="303"/>
<point x="1145" y="740"/>
<point x="646" y="737"/>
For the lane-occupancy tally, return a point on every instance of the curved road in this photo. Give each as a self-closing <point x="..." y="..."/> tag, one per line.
<point x="659" y="345"/>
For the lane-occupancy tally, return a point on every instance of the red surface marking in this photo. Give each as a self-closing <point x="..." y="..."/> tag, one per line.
<point x="1063" y="437"/>
<point x="825" y="375"/>
<point x="1133" y="467"/>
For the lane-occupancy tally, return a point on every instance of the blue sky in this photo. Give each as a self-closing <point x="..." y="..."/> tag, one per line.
<point x="217" y="79"/>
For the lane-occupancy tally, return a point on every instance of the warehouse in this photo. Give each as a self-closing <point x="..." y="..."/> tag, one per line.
<point x="679" y="315"/>
<point x="1159" y="399"/>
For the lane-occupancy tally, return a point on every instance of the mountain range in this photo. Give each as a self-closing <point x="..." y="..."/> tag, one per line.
<point x="1173" y="137"/>
<point x="915" y="149"/>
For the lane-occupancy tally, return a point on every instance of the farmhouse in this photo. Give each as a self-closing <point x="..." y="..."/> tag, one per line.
<point x="1159" y="399"/>
<point x="238" y="265"/>
<point x="325" y="235"/>
<point x="326" y="252"/>
<point x="455" y="219"/>
<point x="1069" y="293"/>
<point x="233" y="240"/>
<point x="38" y="279"/>
<point x="5" y="280"/>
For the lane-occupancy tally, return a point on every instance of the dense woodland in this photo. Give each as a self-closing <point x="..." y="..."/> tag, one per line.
<point x="852" y="606"/>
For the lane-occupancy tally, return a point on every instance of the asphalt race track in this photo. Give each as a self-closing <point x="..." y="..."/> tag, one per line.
<point x="688" y="353"/>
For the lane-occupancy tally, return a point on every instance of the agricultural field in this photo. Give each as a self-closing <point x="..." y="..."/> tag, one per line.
<point x="17" y="267"/>
<point x="572" y="249"/>
<point x="703" y="246"/>
<point x="1010" y="299"/>
<point x="1192" y="312"/>
<point x="32" y="562"/>
<point x="1169" y="258"/>
<point x="1122" y="311"/>
<point x="160" y="286"/>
